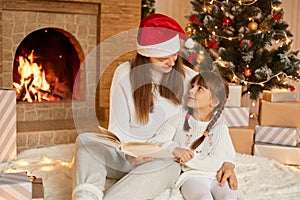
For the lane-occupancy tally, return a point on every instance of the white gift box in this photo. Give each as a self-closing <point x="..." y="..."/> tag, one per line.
<point x="279" y="95"/>
<point x="235" y="95"/>
<point x="15" y="186"/>
<point x="236" y="116"/>
<point x="8" y="134"/>
<point x="277" y="135"/>
<point x="284" y="154"/>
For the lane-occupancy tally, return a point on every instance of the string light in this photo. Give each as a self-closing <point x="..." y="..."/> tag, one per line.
<point x="237" y="79"/>
<point x="241" y="2"/>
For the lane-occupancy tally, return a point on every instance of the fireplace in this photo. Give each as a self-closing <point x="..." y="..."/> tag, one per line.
<point x="46" y="65"/>
<point x="56" y="36"/>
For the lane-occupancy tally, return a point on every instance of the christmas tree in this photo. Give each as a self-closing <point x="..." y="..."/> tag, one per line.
<point x="248" y="41"/>
<point x="148" y="7"/>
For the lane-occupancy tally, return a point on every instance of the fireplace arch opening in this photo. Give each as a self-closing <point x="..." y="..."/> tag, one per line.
<point x="45" y="66"/>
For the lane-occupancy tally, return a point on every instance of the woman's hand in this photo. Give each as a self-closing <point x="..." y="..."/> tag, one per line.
<point x="226" y="172"/>
<point x="136" y="161"/>
<point x="183" y="155"/>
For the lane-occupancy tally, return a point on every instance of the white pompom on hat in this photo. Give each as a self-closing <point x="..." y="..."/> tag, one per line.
<point x="159" y="36"/>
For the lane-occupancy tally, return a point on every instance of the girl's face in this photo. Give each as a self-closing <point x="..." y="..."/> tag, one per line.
<point x="164" y="64"/>
<point x="199" y="97"/>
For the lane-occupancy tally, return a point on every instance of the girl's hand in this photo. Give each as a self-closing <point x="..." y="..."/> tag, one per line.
<point x="226" y="173"/>
<point x="136" y="161"/>
<point x="183" y="155"/>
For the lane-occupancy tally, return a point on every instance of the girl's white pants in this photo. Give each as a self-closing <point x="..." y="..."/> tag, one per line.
<point x="199" y="188"/>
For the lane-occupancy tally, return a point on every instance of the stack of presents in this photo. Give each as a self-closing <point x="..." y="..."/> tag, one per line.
<point x="237" y="119"/>
<point x="276" y="132"/>
<point x="13" y="185"/>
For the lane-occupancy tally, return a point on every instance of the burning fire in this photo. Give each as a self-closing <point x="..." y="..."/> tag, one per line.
<point x="33" y="85"/>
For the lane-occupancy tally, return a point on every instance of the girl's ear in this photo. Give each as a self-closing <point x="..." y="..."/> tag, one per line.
<point x="214" y="102"/>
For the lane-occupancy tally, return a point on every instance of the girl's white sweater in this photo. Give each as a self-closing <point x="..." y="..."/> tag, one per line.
<point x="216" y="148"/>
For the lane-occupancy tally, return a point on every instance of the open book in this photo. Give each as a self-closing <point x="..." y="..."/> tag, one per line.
<point x="134" y="149"/>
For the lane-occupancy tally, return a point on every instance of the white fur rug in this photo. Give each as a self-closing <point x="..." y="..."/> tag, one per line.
<point x="259" y="178"/>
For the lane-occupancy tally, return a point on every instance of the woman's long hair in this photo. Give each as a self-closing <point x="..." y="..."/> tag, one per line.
<point x="218" y="87"/>
<point x="170" y="88"/>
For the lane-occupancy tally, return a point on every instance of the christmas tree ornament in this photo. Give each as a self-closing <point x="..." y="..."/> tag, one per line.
<point x="194" y="18"/>
<point x="189" y="30"/>
<point x="212" y="44"/>
<point x="246" y="43"/>
<point x="200" y="58"/>
<point x="226" y="21"/>
<point x="247" y="71"/>
<point x="252" y="26"/>
<point x="192" y="57"/>
<point x="277" y="17"/>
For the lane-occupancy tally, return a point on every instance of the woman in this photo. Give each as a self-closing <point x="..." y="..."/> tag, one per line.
<point x="144" y="94"/>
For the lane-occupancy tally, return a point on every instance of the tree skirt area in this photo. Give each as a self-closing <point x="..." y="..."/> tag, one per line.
<point x="258" y="177"/>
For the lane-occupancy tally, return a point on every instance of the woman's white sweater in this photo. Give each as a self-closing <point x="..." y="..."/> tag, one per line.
<point x="123" y="120"/>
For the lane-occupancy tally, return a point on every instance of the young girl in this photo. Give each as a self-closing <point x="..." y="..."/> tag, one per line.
<point x="200" y="140"/>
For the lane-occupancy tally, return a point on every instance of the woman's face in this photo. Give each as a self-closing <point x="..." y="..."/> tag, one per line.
<point x="199" y="97"/>
<point x="164" y="64"/>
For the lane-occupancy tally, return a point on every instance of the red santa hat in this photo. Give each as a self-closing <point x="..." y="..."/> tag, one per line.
<point x="159" y="36"/>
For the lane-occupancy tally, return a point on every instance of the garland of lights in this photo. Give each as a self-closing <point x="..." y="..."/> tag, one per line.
<point x="237" y="79"/>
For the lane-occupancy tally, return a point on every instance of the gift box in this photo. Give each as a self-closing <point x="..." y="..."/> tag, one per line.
<point x="15" y="186"/>
<point x="235" y="95"/>
<point x="236" y="116"/>
<point x="279" y="95"/>
<point x="284" y="154"/>
<point x="242" y="139"/>
<point x="279" y="114"/>
<point x="8" y="148"/>
<point x="277" y="135"/>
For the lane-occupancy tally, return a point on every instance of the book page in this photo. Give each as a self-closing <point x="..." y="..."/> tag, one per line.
<point x="142" y="149"/>
<point x="106" y="140"/>
<point x="109" y="134"/>
<point x="107" y="137"/>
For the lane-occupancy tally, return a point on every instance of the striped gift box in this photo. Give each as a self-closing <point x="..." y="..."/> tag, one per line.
<point x="8" y="147"/>
<point x="236" y="116"/>
<point x="277" y="135"/>
<point x="15" y="186"/>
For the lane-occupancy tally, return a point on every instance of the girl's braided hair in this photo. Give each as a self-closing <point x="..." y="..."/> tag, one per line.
<point x="218" y="87"/>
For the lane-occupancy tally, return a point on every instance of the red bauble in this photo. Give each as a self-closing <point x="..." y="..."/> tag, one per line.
<point x="277" y="17"/>
<point x="226" y="21"/>
<point x="247" y="71"/>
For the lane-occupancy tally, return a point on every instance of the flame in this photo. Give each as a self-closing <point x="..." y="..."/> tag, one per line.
<point x="33" y="85"/>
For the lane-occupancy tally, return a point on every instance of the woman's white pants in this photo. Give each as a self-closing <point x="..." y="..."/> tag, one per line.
<point x="95" y="161"/>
